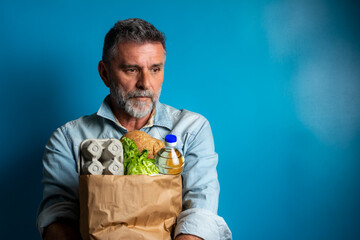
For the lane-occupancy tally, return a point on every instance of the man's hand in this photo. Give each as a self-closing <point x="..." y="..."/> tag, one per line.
<point x="61" y="231"/>
<point x="187" y="237"/>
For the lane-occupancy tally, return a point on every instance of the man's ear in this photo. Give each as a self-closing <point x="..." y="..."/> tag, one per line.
<point x="103" y="69"/>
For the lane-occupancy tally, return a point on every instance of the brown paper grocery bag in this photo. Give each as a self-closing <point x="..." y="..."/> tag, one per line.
<point x="129" y="207"/>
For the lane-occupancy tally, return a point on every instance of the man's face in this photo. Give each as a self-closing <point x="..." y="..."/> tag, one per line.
<point x="135" y="77"/>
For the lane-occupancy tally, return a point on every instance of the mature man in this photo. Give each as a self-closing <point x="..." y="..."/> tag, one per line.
<point x="132" y="68"/>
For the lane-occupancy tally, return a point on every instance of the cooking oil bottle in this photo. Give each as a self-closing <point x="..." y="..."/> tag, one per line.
<point x="168" y="159"/>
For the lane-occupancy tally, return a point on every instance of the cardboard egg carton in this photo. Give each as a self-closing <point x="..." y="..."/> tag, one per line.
<point x="101" y="157"/>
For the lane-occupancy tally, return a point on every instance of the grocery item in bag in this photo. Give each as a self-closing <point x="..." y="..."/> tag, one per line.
<point x="169" y="160"/>
<point x="101" y="156"/>
<point x="136" y="163"/>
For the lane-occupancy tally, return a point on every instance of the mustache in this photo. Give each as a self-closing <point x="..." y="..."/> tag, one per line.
<point x="140" y="93"/>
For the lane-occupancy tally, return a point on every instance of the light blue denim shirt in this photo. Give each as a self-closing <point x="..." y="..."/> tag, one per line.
<point x="195" y="141"/>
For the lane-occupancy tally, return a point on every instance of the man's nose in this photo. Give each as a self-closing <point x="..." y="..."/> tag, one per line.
<point x="144" y="80"/>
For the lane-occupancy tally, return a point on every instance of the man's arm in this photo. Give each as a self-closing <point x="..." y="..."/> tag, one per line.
<point x="60" y="179"/>
<point x="201" y="188"/>
<point x="61" y="231"/>
<point x="187" y="237"/>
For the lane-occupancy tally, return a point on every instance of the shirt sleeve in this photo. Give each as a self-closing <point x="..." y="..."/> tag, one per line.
<point x="201" y="189"/>
<point x="60" y="179"/>
<point x="202" y="223"/>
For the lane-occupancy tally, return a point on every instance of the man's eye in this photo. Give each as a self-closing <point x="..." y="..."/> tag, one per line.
<point x="156" y="70"/>
<point x="131" y="70"/>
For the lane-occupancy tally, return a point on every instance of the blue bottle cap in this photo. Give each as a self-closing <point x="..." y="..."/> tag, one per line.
<point x="170" y="138"/>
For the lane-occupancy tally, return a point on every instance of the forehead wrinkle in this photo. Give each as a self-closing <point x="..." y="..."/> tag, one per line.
<point x="132" y="53"/>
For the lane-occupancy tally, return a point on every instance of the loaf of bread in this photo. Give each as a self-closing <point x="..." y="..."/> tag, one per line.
<point x="145" y="141"/>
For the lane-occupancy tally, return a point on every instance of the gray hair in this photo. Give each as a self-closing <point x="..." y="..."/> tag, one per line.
<point x="130" y="30"/>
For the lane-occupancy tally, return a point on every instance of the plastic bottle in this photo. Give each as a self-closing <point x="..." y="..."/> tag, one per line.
<point x="168" y="159"/>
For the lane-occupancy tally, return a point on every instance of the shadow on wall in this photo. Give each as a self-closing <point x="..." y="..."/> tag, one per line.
<point x="31" y="101"/>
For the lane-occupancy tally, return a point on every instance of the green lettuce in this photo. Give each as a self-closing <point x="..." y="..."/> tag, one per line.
<point x="136" y="163"/>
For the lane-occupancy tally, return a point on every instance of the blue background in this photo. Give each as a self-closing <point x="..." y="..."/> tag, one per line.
<point x="279" y="82"/>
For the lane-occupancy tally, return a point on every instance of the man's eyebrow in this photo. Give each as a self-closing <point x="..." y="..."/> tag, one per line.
<point x="129" y="66"/>
<point x="123" y="66"/>
<point x="158" y="65"/>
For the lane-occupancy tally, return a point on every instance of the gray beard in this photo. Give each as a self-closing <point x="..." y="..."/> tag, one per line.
<point x="129" y="104"/>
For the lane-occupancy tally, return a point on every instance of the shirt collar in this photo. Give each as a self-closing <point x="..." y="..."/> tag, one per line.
<point x="105" y="110"/>
<point x="161" y="118"/>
